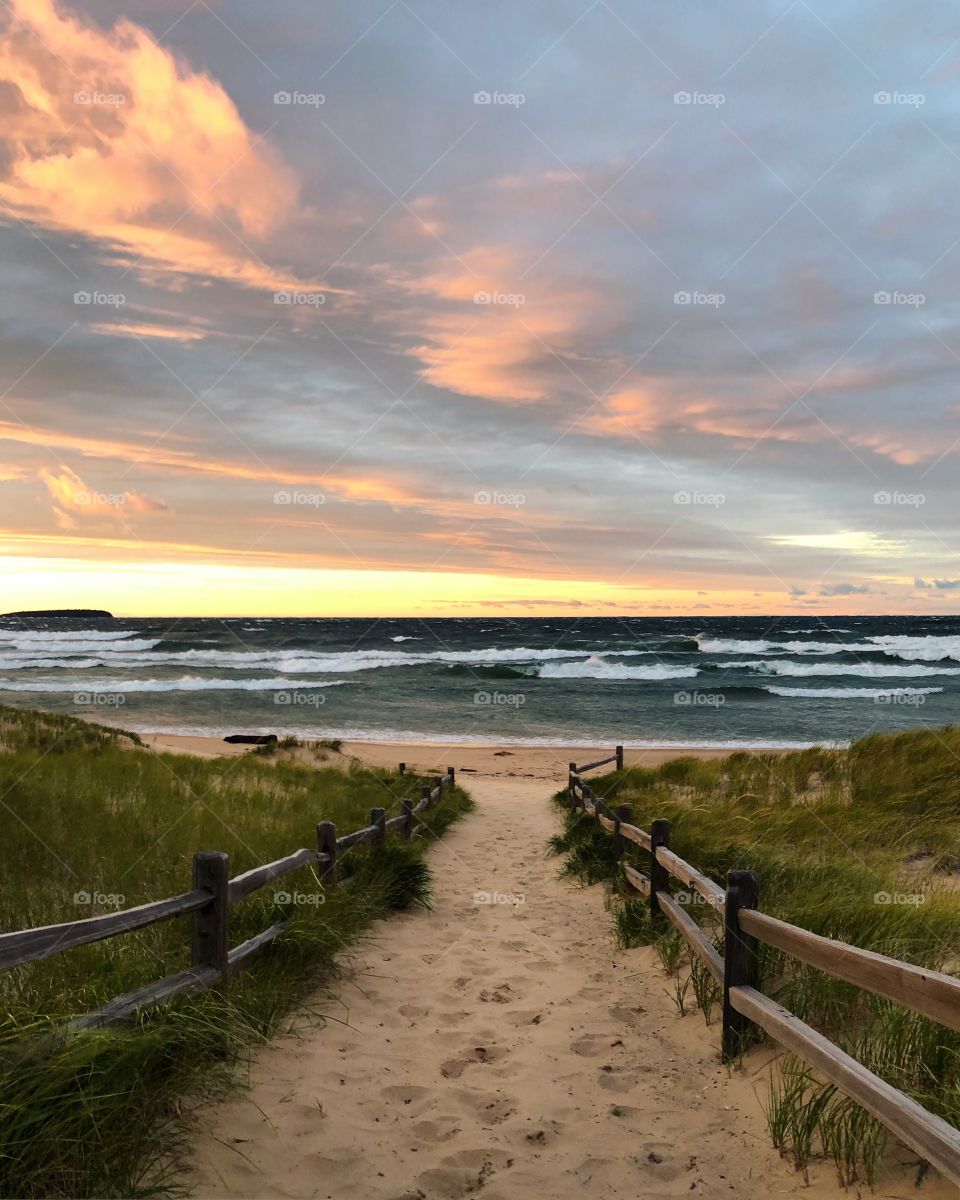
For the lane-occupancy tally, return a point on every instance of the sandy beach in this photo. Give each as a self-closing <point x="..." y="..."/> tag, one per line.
<point x="485" y="759"/>
<point x="500" y="1043"/>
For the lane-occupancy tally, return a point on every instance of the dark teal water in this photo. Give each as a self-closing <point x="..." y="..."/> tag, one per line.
<point x="680" y="680"/>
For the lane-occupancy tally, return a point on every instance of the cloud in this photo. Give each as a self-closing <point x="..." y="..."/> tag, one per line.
<point x="844" y="589"/>
<point x="108" y="135"/>
<point x="73" y="498"/>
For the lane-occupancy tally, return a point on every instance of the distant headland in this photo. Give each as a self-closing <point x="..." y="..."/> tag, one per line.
<point x="58" y="614"/>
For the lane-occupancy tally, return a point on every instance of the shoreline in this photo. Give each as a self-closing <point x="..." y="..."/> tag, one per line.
<point x="492" y="759"/>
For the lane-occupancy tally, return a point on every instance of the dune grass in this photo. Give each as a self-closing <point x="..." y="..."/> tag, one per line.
<point x="90" y="823"/>
<point x="859" y="844"/>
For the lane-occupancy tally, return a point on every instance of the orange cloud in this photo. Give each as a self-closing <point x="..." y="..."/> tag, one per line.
<point x="70" y="495"/>
<point x="109" y="136"/>
<point x="66" y="486"/>
<point x="147" y="330"/>
<point x="494" y="335"/>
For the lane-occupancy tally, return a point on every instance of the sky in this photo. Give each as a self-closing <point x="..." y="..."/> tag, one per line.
<point x="419" y="307"/>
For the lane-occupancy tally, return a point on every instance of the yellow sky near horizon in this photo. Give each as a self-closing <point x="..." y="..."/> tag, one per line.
<point x="174" y="589"/>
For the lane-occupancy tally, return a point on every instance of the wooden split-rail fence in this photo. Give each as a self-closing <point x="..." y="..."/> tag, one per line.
<point x="208" y="902"/>
<point x="931" y="993"/>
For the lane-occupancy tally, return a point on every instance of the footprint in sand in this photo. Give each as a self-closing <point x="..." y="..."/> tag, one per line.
<point x="412" y="1010"/>
<point x="488" y="1108"/>
<point x="464" y="1173"/>
<point x="616" y="1079"/>
<point x="440" y="1130"/>
<point x="526" y="1016"/>
<point x="456" y="1017"/>
<point x="632" y="1015"/>
<point x="501" y="994"/>
<point x="592" y="1044"/>
<point x="410" y="1095"/>
<point x="454" y="1067"/>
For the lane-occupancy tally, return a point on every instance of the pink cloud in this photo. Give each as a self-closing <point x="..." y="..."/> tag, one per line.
<point x="108" y="135"/>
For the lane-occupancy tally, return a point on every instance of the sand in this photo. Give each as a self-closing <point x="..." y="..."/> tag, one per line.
<point x="497" y="761"/>
<point x="501" y="1044"/>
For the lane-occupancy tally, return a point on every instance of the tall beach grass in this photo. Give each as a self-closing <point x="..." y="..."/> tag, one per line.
<point x="859" y="844"/>
<point x="92" y="822"/>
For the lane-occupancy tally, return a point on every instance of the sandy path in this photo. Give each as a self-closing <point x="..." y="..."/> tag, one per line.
<point x="507" y="1048"/>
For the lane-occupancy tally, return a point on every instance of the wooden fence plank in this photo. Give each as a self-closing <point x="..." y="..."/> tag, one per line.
<point x="209" y="939"/>
<point x="29" y="944"/>
<point x="928" y="1135"/>
<point x="239" y="957"/>
<point x="196" y="979"/>
<point x="930" y="992"/>
<point x="680" y="869"/>
<point x="257" y="877"/>
<point x="354" y="839"/>
<point x="636" y="879"/>
<point x="601" y="762"/>
<point x="693" y="935"/>
<point x="633" y="834"/>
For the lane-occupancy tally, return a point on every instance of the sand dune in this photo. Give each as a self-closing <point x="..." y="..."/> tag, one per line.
<point x="505" y="1047"/>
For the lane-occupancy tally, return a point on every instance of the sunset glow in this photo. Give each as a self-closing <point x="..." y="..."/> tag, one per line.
<point x="277" y="344"/>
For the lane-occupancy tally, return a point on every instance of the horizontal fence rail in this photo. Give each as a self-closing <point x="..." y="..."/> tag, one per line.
<point x="931" y="993"/>
<point x="209" y="902"/>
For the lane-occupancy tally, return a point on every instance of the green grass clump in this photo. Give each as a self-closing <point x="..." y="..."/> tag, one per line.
<point x="89" y="814"/>
<point x="859" y="844"/>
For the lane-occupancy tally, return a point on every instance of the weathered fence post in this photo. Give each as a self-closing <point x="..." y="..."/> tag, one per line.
<point x="327" y="844"/>
<point x="407" y="806"/>
<point x="425" y="794"/>
<point x="403" y="767"/>
<point x="571" y="784"/>
<point x="210" y="939"/>
<point x="623" y="813"/>
<point x="438" y="784"/>
<point x="453" y="776"/>
<point x="740" y="960"/>
<point x="618" y="750"/>
<point x="659" y="875"/>
<point x="378" y="817"/>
